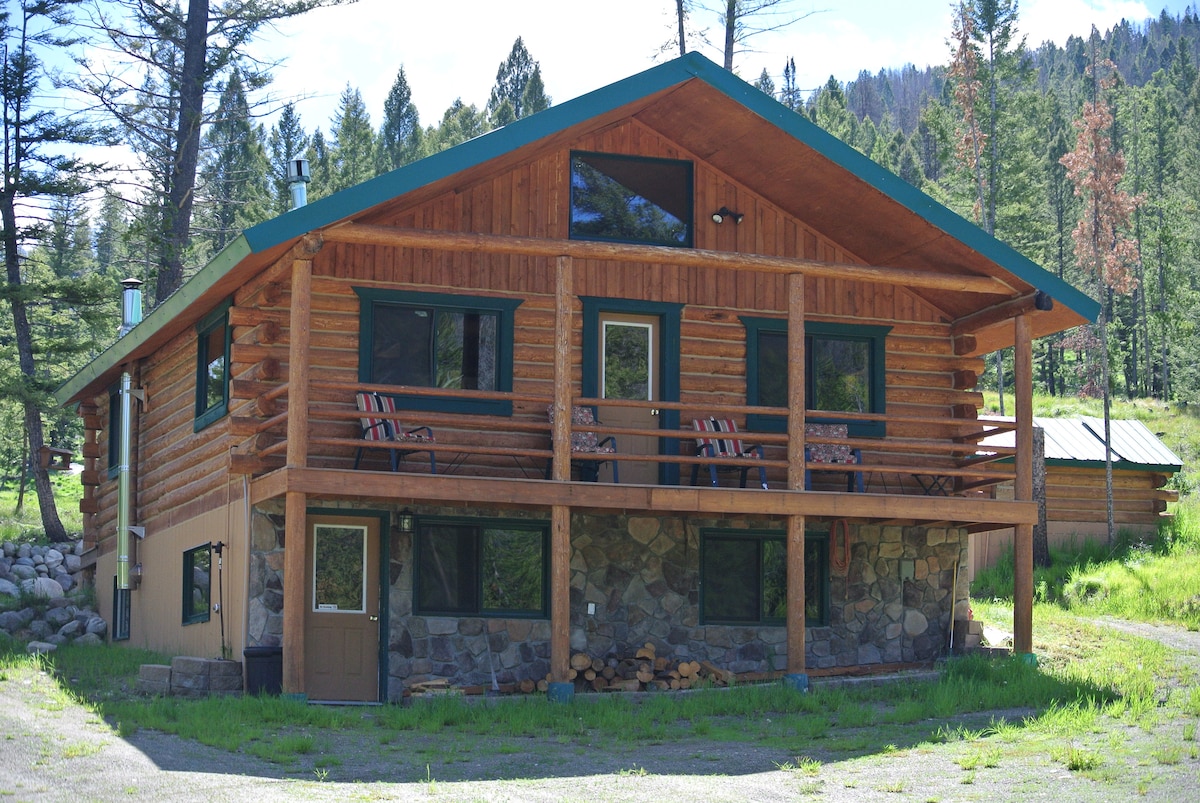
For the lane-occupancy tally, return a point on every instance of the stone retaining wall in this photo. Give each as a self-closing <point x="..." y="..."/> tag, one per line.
<point x="642" y="574"/>
<point x="191" y="677"/>
<point x="45" y="596"/>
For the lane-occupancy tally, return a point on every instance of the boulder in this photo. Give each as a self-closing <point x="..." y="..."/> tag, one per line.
<point x="40" y="647"/>
<point x="10" y="588"/>
<point x="89" y="640"/>
<point x="47" y="588"/>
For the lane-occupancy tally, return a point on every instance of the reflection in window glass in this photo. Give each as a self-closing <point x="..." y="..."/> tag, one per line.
<point x="744" y="579"/>
<point x="631" y="199"/>
<point x="841" y="378"/>
<point x="339" y="568"/>
<point x="627" y="357"/>
<point x="434" y="347"/>
<point x="471" y="569"/>
<point x="197" y="584"/>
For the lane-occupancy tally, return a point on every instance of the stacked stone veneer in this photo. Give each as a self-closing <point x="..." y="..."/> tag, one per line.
<point x="642" y="575"/>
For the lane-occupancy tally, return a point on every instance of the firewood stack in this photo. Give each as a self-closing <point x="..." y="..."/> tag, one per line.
<point x="643" y="671"/>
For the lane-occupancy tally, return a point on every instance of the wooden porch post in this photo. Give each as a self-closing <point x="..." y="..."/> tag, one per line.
<point x="561" y="689"/>
<point x="1023" y="488"/>
<point x="295" y="521"/>
<point x="797" y="675"/>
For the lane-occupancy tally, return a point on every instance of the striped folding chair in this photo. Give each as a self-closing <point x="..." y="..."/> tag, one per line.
<point x="722" y="442"/>
<point x="384" y="430"/>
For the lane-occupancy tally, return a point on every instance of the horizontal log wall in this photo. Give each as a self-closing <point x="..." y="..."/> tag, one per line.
<point x="180" y="471"/>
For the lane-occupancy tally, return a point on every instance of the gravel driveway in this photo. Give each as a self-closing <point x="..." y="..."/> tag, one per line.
<point x="57" y="750"/>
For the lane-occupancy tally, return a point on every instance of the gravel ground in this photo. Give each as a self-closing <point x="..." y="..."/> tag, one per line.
<point x="56" y="750"/>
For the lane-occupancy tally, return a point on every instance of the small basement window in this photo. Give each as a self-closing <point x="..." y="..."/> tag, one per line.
<point x="481" y="568"/>
<point x="743" y="578"/>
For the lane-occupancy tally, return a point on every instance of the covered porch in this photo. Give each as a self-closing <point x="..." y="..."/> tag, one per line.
<point x="293" y="458"/>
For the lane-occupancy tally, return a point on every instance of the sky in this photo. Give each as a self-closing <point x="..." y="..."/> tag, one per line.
<point x="453" y="51"/>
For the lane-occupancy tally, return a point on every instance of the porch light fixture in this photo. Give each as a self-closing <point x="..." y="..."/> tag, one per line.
<point x="405" y="521"/>
<point x="725" y="212"/>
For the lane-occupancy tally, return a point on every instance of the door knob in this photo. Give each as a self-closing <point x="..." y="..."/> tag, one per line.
<point x="653" y="411"/>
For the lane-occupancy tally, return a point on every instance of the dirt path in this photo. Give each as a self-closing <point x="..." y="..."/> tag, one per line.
<point x="56" y="750"/>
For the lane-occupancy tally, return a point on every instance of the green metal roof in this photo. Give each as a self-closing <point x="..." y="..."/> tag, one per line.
<point x="279" y="232"/>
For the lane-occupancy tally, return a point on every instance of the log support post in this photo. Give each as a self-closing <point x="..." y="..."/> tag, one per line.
<point x="1023" y="490"/>
<point x="797" y="676"/>
<point x="296" y="524"/>
<point x="561" y="689"/>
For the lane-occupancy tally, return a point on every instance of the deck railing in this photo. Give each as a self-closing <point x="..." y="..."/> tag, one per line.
<point x="918" y="454"/>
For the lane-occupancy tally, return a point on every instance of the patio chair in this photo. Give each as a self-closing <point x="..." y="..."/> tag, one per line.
<point x="585" y="441"/>
<point x="385" y="430"/>
<point x="835" y="455"/>
<point x="713" y="447"/>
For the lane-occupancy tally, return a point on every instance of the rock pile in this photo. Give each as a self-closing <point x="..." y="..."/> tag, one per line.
<point x="43" y="596"/>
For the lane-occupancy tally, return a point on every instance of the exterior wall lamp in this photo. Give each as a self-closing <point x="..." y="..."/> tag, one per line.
<point x="405" y="521"/>
<point x="725" y="212"/>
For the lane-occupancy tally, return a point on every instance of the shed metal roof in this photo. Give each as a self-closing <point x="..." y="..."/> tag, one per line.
<point x="1080" y="441"/>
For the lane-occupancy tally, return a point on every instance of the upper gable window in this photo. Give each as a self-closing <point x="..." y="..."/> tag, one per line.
<point x="631" y="199"/>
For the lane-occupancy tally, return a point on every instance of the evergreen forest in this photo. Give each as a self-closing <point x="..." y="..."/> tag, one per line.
<point x="989" y="134"/>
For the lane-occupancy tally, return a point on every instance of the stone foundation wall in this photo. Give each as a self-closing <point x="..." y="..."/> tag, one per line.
<point x="890" y="602"/>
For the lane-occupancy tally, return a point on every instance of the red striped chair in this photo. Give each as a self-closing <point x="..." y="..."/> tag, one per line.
<point x="384" y="430"/>
<point x="835" y="455"/>
<point x="712" y="446"/>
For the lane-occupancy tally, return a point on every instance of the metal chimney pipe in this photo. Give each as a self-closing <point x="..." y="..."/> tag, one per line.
<point x="131" y="305"/>
<point x="298" y="178"/>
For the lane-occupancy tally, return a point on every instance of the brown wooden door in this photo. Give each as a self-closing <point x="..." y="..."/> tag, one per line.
<point x="341" y="623"/>
<point x="629" y="369"/>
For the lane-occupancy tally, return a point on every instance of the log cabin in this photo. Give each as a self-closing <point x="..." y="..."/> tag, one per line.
<point x="1074" y="495"/>
<point x="674" y="251"/>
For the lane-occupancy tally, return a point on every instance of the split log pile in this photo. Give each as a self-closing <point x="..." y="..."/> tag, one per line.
<point x="645" y="670"/>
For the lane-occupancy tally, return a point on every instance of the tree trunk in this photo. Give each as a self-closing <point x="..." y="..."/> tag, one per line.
<point x="679" y="17"/>
<point x="731" y="18"/>
<point x="1041" y="541"/>
<point x="24" y="337"/>
<point x="181" y="193"/>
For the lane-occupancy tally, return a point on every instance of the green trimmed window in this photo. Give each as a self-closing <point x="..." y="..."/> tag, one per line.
<point x="114" y="431"/>
<point x="743" y="578"/>
<point x="631" y="199"/>
<point x="197" y="584"/>
<point x="436" y="340"/>
<point x="843" y="371"/>
<point x="213" y="339"/>
<point x="481" y="568"/>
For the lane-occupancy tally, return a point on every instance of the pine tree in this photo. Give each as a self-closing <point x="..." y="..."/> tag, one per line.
<point x="287" y="141"/>
<point x="400" y="135"/>
<point x="1103" y="249"/>
<point x="37" y="174"/>
<point x="184" y="55"/>
<point x="233" y="192"/>
<point x="514" y="77"/>
<point x="352" y="156"/>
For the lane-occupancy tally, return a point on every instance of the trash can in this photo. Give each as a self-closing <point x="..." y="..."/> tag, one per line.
<point x="264" y="670"/>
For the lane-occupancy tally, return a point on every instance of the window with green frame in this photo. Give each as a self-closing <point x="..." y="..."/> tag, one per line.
<point x="631" y="199"/>
<point x="743" y="578"/>
<point x="114" y="430"/>
<point x="213" y="339"/>
<point x="843" y="371"/>
<point x="437" y="340"/>
<point x="481" y="568"/>
<point x="197" y="584"/>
